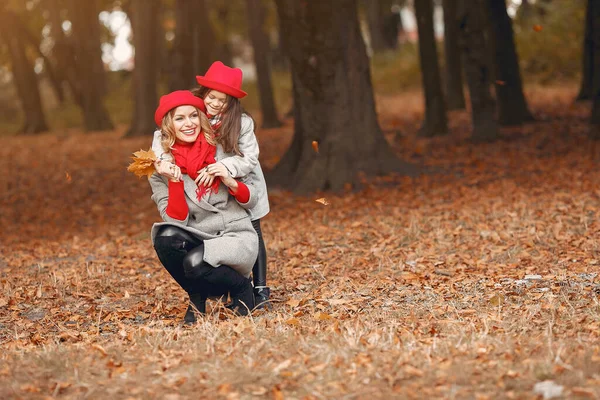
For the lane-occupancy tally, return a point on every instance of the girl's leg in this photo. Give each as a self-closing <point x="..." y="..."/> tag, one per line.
<point x="259" y="272"/>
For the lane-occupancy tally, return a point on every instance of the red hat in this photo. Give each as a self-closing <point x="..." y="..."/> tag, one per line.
<point x="224" y="79"/>
<point x="176" y="99"/>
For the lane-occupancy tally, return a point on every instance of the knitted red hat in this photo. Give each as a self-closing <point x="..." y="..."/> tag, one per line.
<point x="224" y="79"/>
<point x="176" y="99"/>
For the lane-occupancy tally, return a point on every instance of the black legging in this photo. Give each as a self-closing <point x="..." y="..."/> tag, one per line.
<point x="259" y="270"/>
<point x="172" y="245"/>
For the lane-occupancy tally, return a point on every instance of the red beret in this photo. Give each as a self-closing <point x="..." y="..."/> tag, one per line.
<point x="174" y="100"/>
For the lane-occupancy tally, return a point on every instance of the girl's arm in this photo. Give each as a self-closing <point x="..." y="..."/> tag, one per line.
<point x="244" y="194"/>
<point x="239" y="166"/>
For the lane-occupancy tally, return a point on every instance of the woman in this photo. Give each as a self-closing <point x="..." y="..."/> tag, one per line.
<point x="206" y="242"/>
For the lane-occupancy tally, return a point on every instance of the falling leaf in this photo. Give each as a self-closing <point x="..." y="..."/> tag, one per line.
<point x="68" y="176"/>
<point x="537" y="28"/>
<point x="323" y="201"/>
<point x="315" y="146"/>
<point x="501" y="83"/>
<point x="143" y="163"/>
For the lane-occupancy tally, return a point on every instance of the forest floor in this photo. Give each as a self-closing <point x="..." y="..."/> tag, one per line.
<point x="479" y="281"/>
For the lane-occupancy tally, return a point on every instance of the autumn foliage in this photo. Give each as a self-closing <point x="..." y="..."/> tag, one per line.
<point x="477" y="279"/>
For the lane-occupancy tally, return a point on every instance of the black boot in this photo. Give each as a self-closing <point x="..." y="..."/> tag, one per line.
<point x="259" y="272"/>
<point x="261" y="298"/>
<point x="197" y="305"/>
<point x="239" y="287"/>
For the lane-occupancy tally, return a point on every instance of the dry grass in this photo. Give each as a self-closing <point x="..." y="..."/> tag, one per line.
<point x="411" y="288"/>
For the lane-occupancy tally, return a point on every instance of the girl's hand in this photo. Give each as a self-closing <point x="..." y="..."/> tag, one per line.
<point x="168" y="170"/>
<point x="204" y="178"/>
<point x="219" y="170"/>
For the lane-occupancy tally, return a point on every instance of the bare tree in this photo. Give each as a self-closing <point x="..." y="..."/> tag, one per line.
<point x="512" y="106"/>
<point x="89" y="69"/>
<point x="455" y="98"/>
<point x="24" y="76"/>
<point x="435" y="107"/>
<point x="145" y="75"/>
<point x="333" y="100"/>
<point x="472" y="39"/>
<point x="260" y="44"/>
<point x="585" y="92"/>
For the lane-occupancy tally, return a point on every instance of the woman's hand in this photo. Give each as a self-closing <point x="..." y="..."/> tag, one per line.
<point x="204" y="178"/>
<point x="168" y="170"/>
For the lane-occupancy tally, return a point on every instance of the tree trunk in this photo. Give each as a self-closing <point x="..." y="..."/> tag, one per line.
<point x="375" y="19"/>
<point x="260" y="43"/>
<point x="62" y="51"/>
<point x="512" y="105"/>
<point x="594" y="10"/>
<point x="585" y="92"/>
<point x="455" y="97"/>
<point x="435" y="108"/>
<point x="145" y="74"/>
<point x="85" y="33"/>
<point x="472" y="40"/>
<point x="384" y="25"/>
<point x="24" y="76"/>
<point x="194" y="47"/>
<point x="333" y="100"/>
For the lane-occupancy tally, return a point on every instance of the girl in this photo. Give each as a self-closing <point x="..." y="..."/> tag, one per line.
<point x="237" y="152"/>
<point x="206" y="242"/>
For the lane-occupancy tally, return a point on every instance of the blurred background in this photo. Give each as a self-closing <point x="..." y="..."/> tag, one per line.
<point x="69" y="64"/>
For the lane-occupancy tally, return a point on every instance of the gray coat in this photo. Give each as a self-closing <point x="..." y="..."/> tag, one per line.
<point x="246" y="168"/>
<point x="218" y="219"/>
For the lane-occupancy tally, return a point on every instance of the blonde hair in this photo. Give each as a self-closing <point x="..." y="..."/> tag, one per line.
<point x="168" y="131"/>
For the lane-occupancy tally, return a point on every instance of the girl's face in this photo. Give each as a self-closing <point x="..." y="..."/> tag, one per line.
<point x="186" y="123"/>
<point x="215" y="102"/>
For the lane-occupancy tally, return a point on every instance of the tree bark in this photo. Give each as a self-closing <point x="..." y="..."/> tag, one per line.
<point x="384" y="25"/>
<point x="472" y="40"/>
<point x="435" y="108"/>
<point x="586" y="92"/>
<point x="85" y="32"/>
<point x="333" y="101"/>
<point x="512" y="106"/>
<point x="260" y="44"/>
<point x="24" y="76"/>
<point x="455" y="98"/>
<point x="194" y="47"/>
<point x="594" y="10"/>
<point x="145" y="74"/>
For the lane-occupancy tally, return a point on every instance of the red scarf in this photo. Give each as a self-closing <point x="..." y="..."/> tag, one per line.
<point x="191" y="158"/>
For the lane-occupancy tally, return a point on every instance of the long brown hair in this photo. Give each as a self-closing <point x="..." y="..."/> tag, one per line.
<point x="168" y="131"/>
<point x="228" y="134"/>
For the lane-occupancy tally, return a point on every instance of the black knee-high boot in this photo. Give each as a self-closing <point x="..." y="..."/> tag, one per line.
<point x="259" y="272"/>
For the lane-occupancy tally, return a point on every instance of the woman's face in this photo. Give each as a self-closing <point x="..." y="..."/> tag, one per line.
<point x="186" y="123"/>
<point x="215" y="102"/>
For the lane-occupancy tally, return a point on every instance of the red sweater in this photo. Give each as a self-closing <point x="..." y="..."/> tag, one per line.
<point x="177" y="207"/>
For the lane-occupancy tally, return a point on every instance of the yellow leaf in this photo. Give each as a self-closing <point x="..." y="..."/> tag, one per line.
<point x="143" y="163"/>
<point x="323" y="201"/>
<point x="293" y="322"/>
<point x="293" y="303"/>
